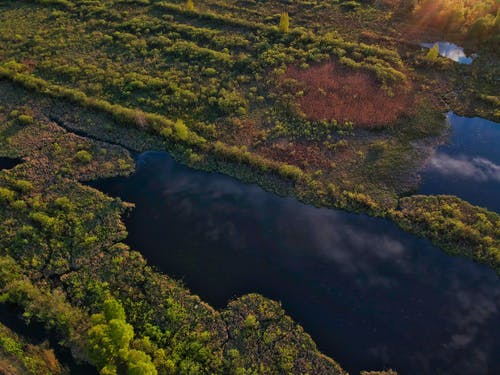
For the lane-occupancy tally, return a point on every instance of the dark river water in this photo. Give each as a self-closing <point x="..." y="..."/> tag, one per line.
<point x="371" y="295"/>
<point x="8" y="163"/>
<point x="468" y="166"/>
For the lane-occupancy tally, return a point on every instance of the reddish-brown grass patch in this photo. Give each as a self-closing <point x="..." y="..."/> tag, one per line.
<point x="337" y="93"/>
<point x="299" y="154"/>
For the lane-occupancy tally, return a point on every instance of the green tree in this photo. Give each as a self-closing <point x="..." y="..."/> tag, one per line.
<point x="284" y="22"/>
<point x="433" y="53"/>
<point x="109" y="337"/>
<point x="481" y="29"/>
<point x="181" y="130"/>
<point x="190" y="5"/>
<point x="109" y="340"/>
<point x="83" y="156"/>
<point x="139" y="363"/>
<point x="113" y="310"/>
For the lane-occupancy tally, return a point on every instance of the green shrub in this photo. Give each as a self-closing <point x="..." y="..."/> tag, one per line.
<point x="22" y="186"/>
<point x="433" y="53"/>
<point x="190" y="5"/>
<point x="25" y="119"/>
<point x="6" y="195"/>
<point x="284" y="22"/>
<point x="83" y="157"/>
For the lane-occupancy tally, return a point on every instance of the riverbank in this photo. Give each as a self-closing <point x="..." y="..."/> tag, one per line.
<point x="63" y="262"/>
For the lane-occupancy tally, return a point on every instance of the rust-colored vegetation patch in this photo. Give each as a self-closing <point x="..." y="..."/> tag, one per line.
<point x="298" y="154"/>
<point x="336" y="93"/>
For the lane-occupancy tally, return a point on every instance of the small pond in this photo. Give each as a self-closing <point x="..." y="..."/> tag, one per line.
<point x="468" y="166"/>
<point x="371" y="295"/>
<point x="8" y="163"/>
<point x="452" y="51"/>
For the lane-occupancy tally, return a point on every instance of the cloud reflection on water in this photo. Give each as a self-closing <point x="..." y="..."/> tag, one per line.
<point x="360" y="285"/>
<point x="476" y="168"/>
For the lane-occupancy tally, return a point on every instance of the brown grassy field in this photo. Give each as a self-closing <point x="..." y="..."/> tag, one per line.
<point x="332" y="92"/>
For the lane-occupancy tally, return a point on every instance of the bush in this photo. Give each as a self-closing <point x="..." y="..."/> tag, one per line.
<point x="284" y="22"/>
<point x="25" y="119"/>
<point x="190" y="5"/>
<point x="6" y="195"/>
<point x="433" y="53"/>
<point x="83" y="157"/>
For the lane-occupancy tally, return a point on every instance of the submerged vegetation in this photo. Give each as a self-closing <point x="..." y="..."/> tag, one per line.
<point x="296" y="96"/>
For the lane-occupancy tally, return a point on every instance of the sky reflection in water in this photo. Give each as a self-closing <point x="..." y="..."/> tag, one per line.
<point x="370" y="295"/>
<point x="468" y="166"/>
<point x="452" y="51"/>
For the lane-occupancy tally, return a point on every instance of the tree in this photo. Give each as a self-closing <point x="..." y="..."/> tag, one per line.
<point x="181" y="130"/>
<point x="109" y="336"/>
<point x="83" y="156"/>
<point x="481" y="29"/>
<point x="139" y="363"/>
<point x="433" y="53"/>
<point x="109" y="341"/>
<point x="190" y="5"/>
<point x="284" y="22"/>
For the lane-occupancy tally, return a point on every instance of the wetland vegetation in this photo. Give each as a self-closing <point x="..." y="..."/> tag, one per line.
<point x="332" y="102"/>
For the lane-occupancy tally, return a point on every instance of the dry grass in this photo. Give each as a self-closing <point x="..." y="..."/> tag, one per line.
<point x="332" y="92"/>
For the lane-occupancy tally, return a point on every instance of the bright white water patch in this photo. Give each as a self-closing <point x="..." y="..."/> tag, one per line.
<point x="452" y="51"/>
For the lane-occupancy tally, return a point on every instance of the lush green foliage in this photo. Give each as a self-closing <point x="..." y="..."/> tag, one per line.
<point x="109" y="339"/>
<point x="458" y="226"/>
<point x="284" y="22"/>
<point x="433" y="53"/>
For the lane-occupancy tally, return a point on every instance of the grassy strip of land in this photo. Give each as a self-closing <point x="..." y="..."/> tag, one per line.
<point x="458" y="227"/>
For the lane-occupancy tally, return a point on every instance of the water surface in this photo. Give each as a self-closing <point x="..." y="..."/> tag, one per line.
<point x="452" y="51"/>
<point x="8" y="163"/>
<point x="371" y="295"/>
<point x="468" y="166"/>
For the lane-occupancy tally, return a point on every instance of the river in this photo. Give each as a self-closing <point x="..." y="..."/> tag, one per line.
<point x="371" y="295"/>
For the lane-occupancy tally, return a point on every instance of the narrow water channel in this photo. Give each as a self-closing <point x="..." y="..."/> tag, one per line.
<point x="371" y="295"/>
